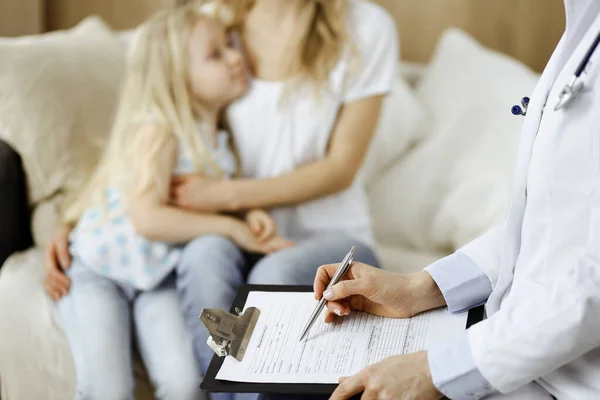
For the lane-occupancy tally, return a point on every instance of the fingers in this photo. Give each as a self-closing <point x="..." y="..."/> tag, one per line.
<point x="182" y="179"/>
<point x="50" y="261"/>
<point x="268" y="229"/>
<point x="322" y="278"/>
<point x="277" y="244"/>
<point x="178" y="192"/>
<point x="54" y="293"/>
<point x="178" y="197"/>
<point x="54" y="289"/>
<point x="326" y="272"/>
<point x="58" y="279"/>
<point x="178" y="180"/>
<point x="349" y="387"/>
<point x="369" y="395"/>
<point x="265" y="233"/>
<point x="347" y="288"/>
<point x="62" y="252"/>
<point x="339" y="308"/>
<point x="256" y="226"/>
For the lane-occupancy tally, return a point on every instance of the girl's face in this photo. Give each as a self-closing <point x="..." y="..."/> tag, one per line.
<point x="217" y="75"/>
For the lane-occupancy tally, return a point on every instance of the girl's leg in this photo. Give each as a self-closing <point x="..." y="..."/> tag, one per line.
<point x="298" y="265"/>
<point x="165" y="344"/>
<point x="95" y="318"/>
<point x="208" y="275"/>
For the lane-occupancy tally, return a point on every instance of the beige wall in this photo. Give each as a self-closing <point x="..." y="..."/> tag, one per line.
<point x="120" y="14"/>
<point x="21" y="17"/>
<point x="525" y="29"/>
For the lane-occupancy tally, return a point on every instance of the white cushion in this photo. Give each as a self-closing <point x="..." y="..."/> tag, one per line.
<point x="463" y="74"/>
<point x="456" y="183"/>
<point x="404" y="260"/>
<point x="403" y="121"/>
<point x="58" y="93"/>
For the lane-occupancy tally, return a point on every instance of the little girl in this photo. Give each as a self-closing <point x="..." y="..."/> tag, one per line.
<point x="181" y="72"/>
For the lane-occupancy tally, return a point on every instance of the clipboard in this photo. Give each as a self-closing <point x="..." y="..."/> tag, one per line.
<point x="211" y="384"/>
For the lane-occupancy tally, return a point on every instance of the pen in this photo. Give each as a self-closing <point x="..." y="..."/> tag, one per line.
<point x="339" y="273"/>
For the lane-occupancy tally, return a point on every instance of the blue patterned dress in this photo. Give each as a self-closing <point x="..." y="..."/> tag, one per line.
<point x="107" y="242"/>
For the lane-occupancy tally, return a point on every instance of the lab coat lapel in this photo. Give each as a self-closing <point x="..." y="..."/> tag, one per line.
<point x="512" y="239"/>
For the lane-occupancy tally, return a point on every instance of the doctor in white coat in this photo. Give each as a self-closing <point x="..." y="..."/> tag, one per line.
<point x="538" y="273"/>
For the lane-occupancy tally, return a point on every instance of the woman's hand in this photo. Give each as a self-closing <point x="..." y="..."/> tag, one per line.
<point x="241" y="234"/>
<point x="368" y="289"/>
<point x="277" y="243"/>
<point x="404" y="377"/>
<point x="200" y="193"/>
<point x="261" y="224"/>
<point x="56" y="260"/>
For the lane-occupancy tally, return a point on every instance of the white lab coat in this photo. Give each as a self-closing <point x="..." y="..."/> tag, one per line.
<point x="543" y="321"/>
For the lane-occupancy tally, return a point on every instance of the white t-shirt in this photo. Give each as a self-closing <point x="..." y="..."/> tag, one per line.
<point x="274" y="138"/>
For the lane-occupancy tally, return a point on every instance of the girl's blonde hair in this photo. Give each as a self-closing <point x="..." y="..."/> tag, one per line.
<point x="322" y="39"/>
<point x="155" y="91"/>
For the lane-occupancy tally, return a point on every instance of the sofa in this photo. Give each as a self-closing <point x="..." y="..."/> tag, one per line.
<point x="438" y="172"/>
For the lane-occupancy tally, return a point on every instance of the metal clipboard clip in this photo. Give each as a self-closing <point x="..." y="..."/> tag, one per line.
<point x="229" y="333"/>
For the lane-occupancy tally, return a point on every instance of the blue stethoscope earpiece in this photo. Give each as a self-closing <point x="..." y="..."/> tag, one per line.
<point x="517" y="110"/>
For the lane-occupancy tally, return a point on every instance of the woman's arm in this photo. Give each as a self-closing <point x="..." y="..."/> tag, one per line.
<point x="151" y="214"/>
<point x="348" y="145"/>
<point x="154" y="218"/>
<point x="347" y="148"/>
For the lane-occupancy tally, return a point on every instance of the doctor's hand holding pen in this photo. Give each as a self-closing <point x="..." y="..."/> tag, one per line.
<point x="368" y="289"/>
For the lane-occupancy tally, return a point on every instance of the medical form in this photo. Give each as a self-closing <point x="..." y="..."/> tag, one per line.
<point x="275" y="355"/>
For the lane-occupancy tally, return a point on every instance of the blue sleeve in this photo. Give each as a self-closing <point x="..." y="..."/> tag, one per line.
<point x="453" y="370"/>
<point x="463" y="284"/>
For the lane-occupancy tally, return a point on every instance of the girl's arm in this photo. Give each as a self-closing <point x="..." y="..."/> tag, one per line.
<point x="151" y="214"/>
<point x="348" y="145"/>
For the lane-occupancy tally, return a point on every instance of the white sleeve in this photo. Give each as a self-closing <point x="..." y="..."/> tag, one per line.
<point x="485" y="251"/>
<point x="463" y="284"/>
<point x="554" y="321"/>
<point x="375" y="38"/>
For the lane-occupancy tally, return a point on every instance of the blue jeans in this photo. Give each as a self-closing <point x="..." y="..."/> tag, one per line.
<point x="98" y="316"/>
<point x="213" y="267"/>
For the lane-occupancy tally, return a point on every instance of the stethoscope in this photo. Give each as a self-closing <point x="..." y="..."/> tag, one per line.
<point x="571" y="89"/>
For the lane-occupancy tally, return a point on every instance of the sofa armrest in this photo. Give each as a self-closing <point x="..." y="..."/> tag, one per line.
<point x="15" y="218"/>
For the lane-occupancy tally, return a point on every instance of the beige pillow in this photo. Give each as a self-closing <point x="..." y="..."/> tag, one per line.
<point x="58" y="92"/>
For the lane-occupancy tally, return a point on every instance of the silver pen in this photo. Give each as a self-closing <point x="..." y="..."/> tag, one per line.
<point x="339" y="274"/>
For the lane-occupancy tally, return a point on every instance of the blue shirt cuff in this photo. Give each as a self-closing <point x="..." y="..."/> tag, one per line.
<point x="453" y="370"/>
<point x="463" y="284"/>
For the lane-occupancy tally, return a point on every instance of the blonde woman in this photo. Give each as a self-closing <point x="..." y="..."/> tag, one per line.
<point x="181" y="71"/>
<point x="318" y="70"/>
